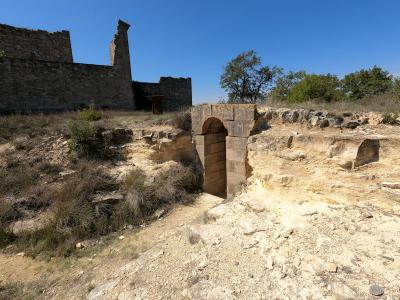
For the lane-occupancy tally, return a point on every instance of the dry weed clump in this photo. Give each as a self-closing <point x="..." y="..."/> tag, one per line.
<point x="391" y="119"/>
<point x="16" y="177"/>
<point x="171" y="186"/>
<point x="12" y="126"/>
<point x="49" y="168"/>
<point x="183" y="120"/>
<point x="387" y="103"/>
<point x="74" y="215"/>
<point x="19" y="290"/>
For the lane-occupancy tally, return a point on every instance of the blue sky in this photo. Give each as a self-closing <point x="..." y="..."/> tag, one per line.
<point x="195" y="39"/>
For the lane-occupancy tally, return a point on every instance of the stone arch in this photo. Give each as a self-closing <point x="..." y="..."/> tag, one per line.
<point x="223" y="128"/>
<point x="213" y="125"/>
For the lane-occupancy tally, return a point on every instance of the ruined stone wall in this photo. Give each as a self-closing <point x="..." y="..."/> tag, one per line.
<point x="35" y="44"/>
<point x="143" y="89"/>
<point x="177" y="93"/>
<point x="33" y="85"/>
<point x="29" y="85"/>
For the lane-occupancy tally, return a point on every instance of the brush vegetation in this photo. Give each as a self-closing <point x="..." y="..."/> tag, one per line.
<point x="246" y="80"/>
<point x="75" y="216"/>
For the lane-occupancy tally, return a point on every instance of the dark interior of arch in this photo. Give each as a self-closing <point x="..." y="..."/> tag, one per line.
<point x="367" y="152"/>
<point x="215" y="157"/>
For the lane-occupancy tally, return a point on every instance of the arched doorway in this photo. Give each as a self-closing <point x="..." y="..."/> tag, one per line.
<point x="220" y="132"/>
<point x="214" y="163"/>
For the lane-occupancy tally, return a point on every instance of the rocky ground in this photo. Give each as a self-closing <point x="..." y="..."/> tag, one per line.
<point x="308" y="225"/>
<point x="265" y="244"/>
<point x="268" y="243"/>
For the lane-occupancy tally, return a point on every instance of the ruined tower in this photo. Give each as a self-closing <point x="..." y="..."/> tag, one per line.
<point x="37" y="74"/>
<point x="119" y="51"/>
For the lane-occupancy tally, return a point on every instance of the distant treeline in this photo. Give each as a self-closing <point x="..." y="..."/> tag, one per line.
<point x="300" y="86"/>
<point x="246" y="80"/>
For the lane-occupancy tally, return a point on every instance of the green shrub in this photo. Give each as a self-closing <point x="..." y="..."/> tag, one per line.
<point x="183" y="120"/>
<point x="366" y="83"/>
<point x="86" y="140"/>
<point x="284" y="84"/>
<point x="315" y="87"/>
<point x="391" y="119"/>
<point x="90" y="114"/>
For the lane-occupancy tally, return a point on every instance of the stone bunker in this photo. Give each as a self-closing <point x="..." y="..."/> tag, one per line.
<point x="220" y="133"/>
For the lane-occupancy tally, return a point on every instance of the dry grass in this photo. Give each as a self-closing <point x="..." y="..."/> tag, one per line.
<point x="16" y="290"/>
<point x="11" y="291"/>
<point x="168" y="187"/>
<point x="183" y="120"/>
<point x="133" y="118"/>
<point x="12" y="126"/>
<point x="16" y="178"/>
<point x="75" y="217"/>
<point x="69" y="200"/>
<point x="382" y="103"/>
<point x="31" y="125"/>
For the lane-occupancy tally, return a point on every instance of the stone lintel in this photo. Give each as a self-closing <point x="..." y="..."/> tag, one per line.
<point x="223" y="112"/>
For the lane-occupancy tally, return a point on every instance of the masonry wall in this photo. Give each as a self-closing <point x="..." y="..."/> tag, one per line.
<point x="38" y="85"/>
<point x="177" y="93"/>
<point x="143" y="89"/>
<point x="35" y="44"/>
<point x="215" y="164"/>
<point x="34" y="85"/>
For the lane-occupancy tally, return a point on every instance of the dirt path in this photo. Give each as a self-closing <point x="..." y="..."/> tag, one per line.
<point x="268" y="245"/>
<point x="73" y="278"/>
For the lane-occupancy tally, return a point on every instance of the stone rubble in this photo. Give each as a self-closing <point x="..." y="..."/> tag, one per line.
<point x="321" y="119"/>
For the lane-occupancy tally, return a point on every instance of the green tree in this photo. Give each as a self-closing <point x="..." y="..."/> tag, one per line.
<point x="2" y="53"/>
<point x="284" y="84"/>
<point x="246" y="80"/>
<point x="315" y="87"/>
<point x="369" y="82"/>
